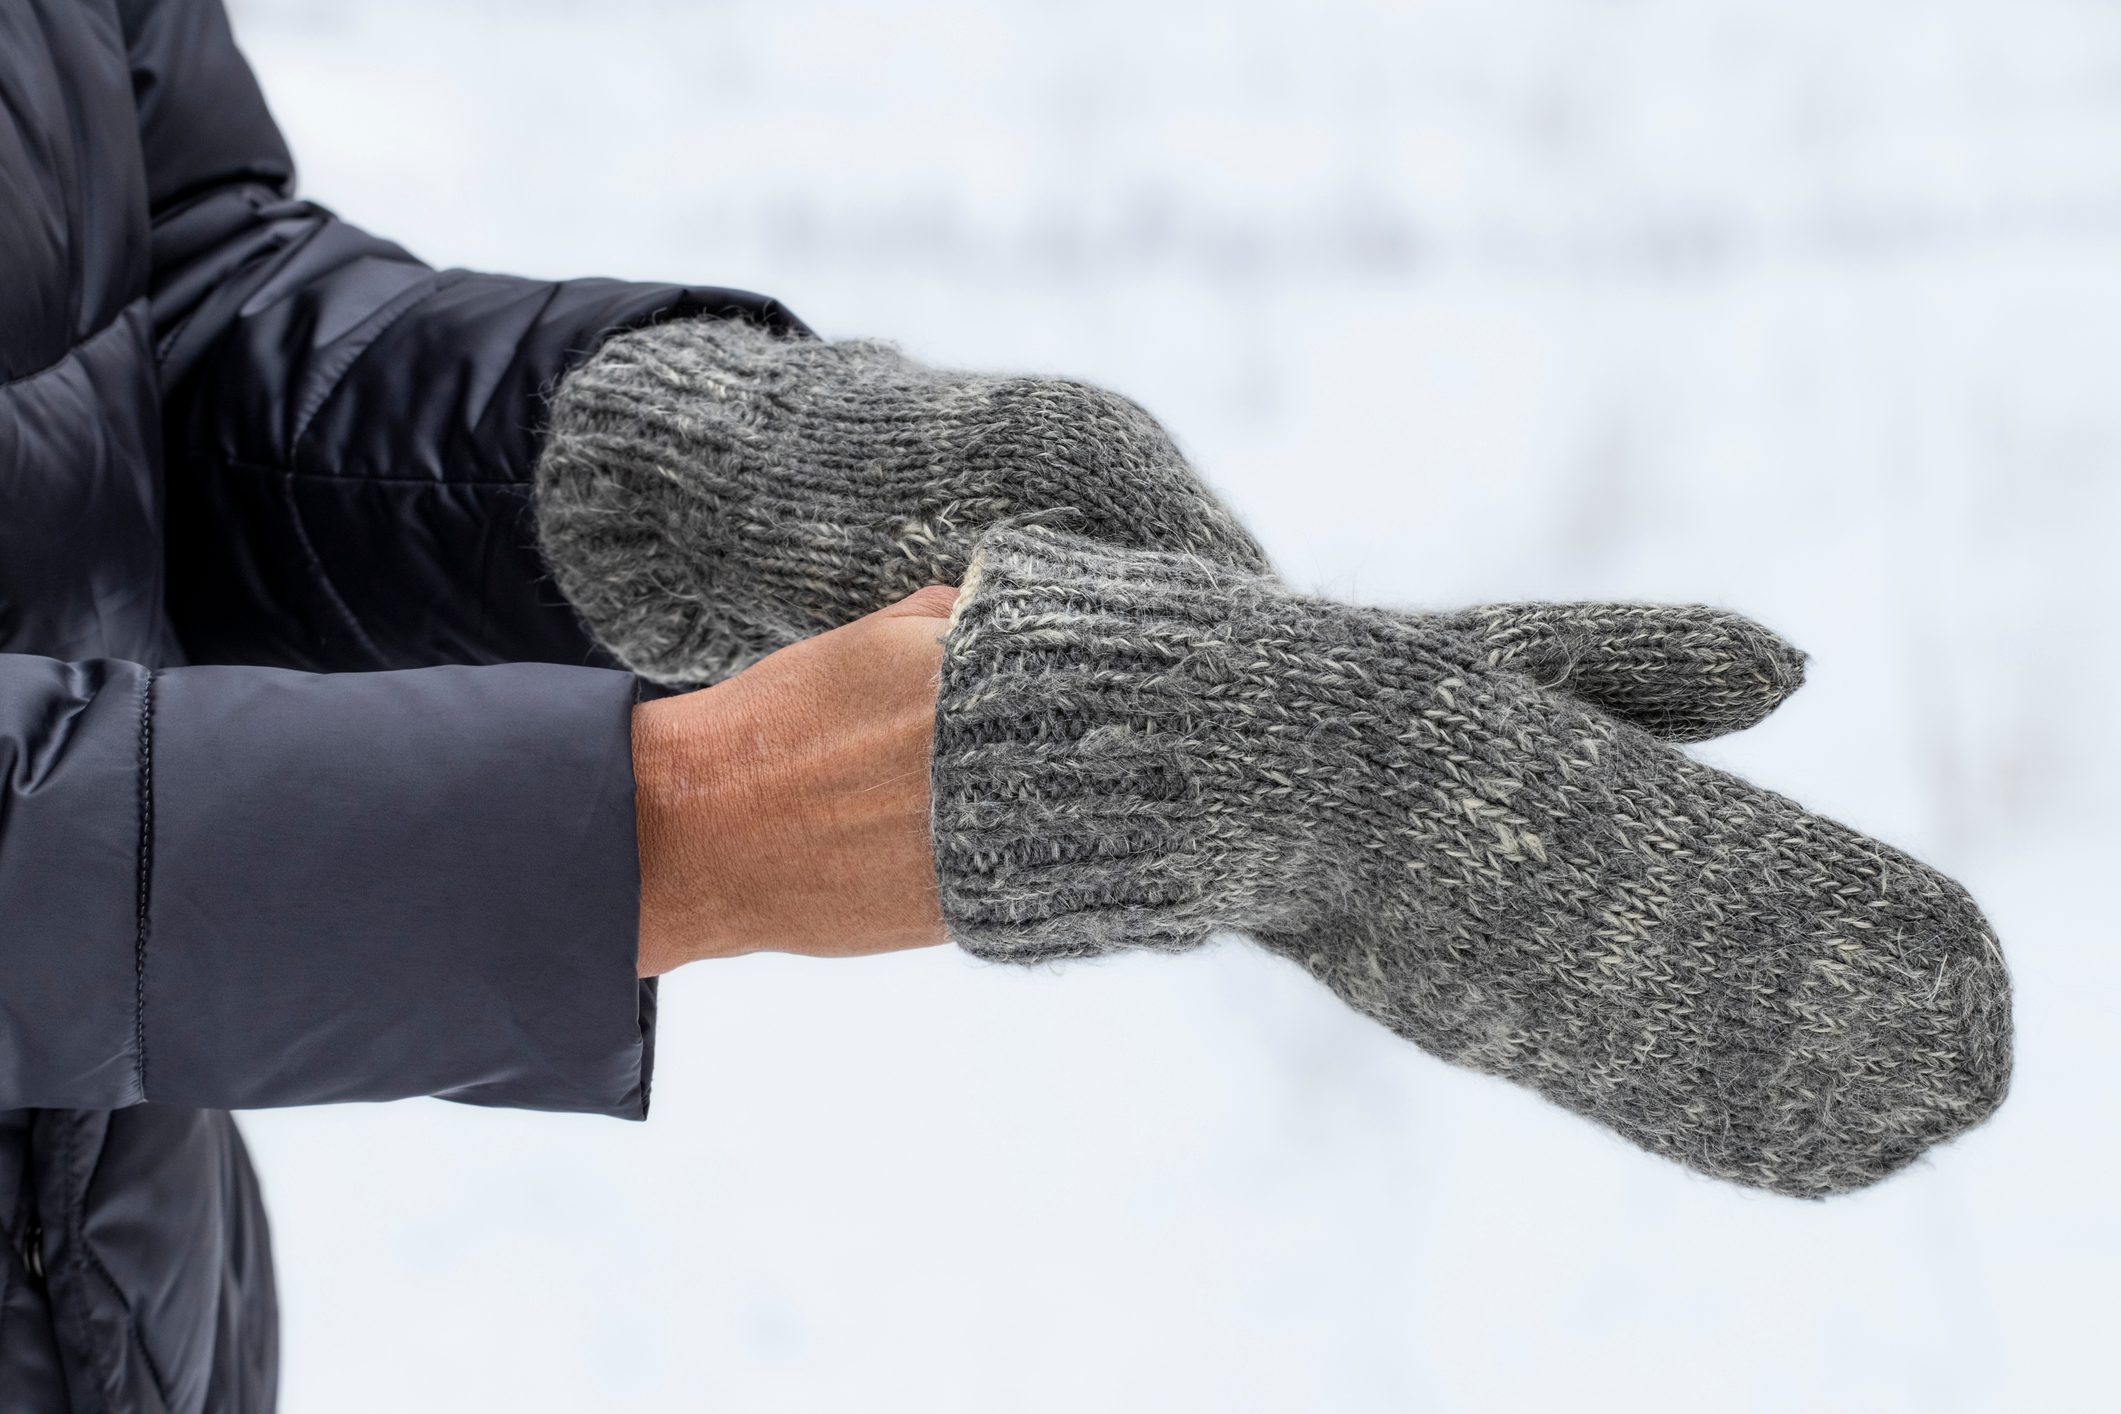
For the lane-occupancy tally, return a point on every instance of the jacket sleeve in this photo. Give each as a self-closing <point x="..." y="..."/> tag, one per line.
<point x="351" y="434"/>
<point x="235" y="887"/>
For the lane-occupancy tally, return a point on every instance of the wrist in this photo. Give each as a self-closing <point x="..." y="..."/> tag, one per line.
<point x="679" y="784"/>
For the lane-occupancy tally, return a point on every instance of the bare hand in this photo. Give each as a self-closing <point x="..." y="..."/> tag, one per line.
<point x="786" y="809"/>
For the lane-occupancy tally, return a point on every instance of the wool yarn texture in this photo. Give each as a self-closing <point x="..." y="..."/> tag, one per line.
<point x="1137" y="749"/>
<point x="1685" y="672"/>
<point x="711" y="490"/>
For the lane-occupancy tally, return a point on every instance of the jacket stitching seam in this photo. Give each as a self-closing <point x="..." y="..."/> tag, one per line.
<point x="146" y="879"/>
<point x="323" y="577"/>
<point x="359" y="479"/>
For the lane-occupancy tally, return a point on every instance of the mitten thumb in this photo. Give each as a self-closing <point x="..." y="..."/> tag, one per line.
<point x="1683" y="672"/>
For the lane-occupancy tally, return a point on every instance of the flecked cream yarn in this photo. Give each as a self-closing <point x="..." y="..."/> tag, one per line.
<point x="710" y="490"/>
<point x="1140" y="750"/>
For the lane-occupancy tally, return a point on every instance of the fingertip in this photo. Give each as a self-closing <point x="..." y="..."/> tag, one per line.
<point x="1777" y="665"/>
<point x="931" y="601"/>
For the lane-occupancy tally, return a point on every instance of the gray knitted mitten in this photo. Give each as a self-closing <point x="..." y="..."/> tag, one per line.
<point x="1139" y="750"/>
<point x="711" y="490"/>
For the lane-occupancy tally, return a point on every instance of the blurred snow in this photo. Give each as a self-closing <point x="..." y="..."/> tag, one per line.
<point x="1811" y="309"/>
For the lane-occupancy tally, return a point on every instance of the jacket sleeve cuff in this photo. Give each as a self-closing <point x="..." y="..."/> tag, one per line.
<point x="367" y="886"/>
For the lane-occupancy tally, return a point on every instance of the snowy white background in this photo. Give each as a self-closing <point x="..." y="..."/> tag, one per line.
<point x="1813" y="309"/>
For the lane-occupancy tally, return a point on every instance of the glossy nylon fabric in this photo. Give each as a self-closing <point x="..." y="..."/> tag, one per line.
<point x="311" y="788"/>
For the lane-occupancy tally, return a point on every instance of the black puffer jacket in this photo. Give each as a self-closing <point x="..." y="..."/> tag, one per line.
<point x="235" y="430"/>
